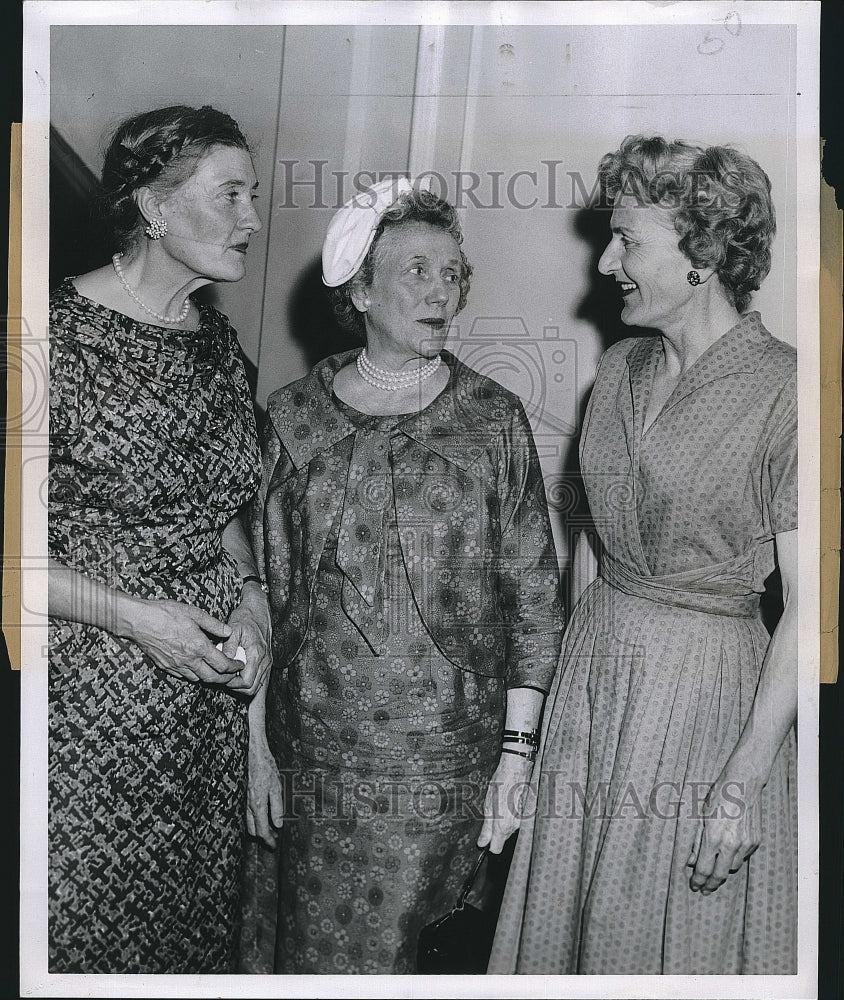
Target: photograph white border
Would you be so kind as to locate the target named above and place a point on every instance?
(38, 17)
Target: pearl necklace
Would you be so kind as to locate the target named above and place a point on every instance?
(382, 378)
(169, 320)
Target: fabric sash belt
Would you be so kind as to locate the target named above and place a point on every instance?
(711, 589)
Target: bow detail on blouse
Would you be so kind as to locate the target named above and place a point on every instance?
(362, 539)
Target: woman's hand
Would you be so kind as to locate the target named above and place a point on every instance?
(504, 803)
(176, 638)
(265, 798)
(729, 832)
(250, 628)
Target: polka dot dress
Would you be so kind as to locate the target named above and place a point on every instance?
(659, 670)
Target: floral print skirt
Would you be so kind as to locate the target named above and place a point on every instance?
(385, 762)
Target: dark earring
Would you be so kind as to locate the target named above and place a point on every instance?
(693, 278)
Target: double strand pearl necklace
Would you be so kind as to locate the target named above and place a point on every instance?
(382, 378)
(169, 320)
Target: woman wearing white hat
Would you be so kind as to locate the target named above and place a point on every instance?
(403, 530)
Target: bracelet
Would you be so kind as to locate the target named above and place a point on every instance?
(520, 739)
(532, 735)
(518, 753)
(513, 736)
(255, 579)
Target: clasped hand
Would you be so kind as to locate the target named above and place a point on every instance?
(181, 640)
(250, 625)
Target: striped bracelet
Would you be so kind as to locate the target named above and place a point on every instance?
(518, 753)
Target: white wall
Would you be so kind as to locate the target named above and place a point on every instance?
(102, 74)
(482, 99)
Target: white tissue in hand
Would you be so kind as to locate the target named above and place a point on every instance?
(239, 655)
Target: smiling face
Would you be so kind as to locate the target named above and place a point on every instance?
(644, 259)
(210, 217)
(414, 293)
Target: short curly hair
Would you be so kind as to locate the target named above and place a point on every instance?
(414, 206)
(721, 200)
(158, 149)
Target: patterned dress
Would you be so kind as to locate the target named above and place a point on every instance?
(659, 670)
(375, 751)
(385, 745)
(153, 450)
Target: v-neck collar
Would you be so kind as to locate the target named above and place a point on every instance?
(739, 350)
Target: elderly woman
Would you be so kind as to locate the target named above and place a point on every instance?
(413, 584)
(159, 628)
(663, 834)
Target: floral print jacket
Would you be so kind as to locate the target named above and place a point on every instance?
(470, 508)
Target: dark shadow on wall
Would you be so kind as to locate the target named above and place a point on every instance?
(79, 241)
(311, 320)
(771, 601)
(600, 307)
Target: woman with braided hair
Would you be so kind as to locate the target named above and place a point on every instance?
(159, 627)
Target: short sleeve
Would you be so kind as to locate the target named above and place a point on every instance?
(780, 471)
(606, 375)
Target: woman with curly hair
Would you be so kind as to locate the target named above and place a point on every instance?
(159, 629)
(662, 829)
(413, 583)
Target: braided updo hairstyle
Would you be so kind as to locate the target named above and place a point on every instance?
(158, 149)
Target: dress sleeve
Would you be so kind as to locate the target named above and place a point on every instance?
(236, 360)
(67, 372)
(779, 485)
(69, 385)
(606, 375)
(528, 574)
